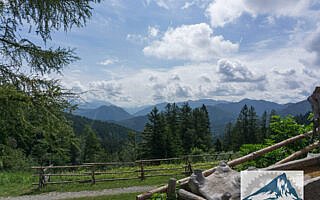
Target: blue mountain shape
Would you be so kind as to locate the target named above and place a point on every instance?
(275, 190)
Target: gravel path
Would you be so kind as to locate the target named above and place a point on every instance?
(68, 195)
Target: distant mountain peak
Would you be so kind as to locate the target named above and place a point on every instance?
(104, 113)
(278, 188)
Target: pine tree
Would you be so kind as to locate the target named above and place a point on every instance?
(227, 139)
(218, 145)
(173, 140)
(187, 131)
(252, 126)
(129, 152)
(153, 136)
(240, 131)
(92, 146)
(263, 134)
(272, 113)
(203, 135)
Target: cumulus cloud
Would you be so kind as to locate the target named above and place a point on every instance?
(222, 12)
(190, 42)
(293, 84)
(152, 33)
(313, 46)
(180, 91)
(205, 79)
(175, 77)
(107, 90)
(234, 71)
(285, 73)
(223, 80)
(227, 90)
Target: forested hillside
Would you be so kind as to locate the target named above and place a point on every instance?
(105, 113)
(176, 131)
(111, 140)
(220, 112)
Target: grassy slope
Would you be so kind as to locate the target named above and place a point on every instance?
(19, 183)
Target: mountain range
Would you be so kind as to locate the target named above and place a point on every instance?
(220, 112)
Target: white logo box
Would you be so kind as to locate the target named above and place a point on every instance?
(266, 185)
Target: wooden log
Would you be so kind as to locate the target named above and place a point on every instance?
(299, 153)
(111, 163)
(184, 194)
(60, 167)
(296, 164)
(158, 175)
(155, 160)
(171, 191)
(148, 194)
(122, 172)
(263, 151)
(159, 169)
(90, 180)
(116, 179)
(63, 174)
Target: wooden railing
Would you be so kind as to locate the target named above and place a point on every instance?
(241, 160)
(140, 169)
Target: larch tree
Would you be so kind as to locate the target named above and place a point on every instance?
(32, 106)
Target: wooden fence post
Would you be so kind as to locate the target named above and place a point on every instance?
(229, 157)
(188, 167)
(217, 154)
(93, 178)
(42, 178)
(171, 191)
(141, 171)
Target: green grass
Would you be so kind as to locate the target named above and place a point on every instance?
(20, 183)
(15, 183)
(110, 197)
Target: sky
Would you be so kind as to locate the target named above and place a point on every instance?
(144, 52)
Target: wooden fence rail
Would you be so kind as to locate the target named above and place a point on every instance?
(93, 172)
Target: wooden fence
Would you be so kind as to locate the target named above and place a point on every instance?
(117, 171)
(243, 159)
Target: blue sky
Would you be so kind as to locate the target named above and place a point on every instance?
(142, 52)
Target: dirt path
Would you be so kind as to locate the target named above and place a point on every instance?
(68, 195)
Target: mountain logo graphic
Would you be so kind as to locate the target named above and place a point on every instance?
(279, 188)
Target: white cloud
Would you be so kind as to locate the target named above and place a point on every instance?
(137, 38)
(163, 3)
(234, 71)
(199, 3)
(313, 46)
(166, 4)
(153, 31)
(268, 76)
(222, 12)
(109, 61)
(190, 42)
